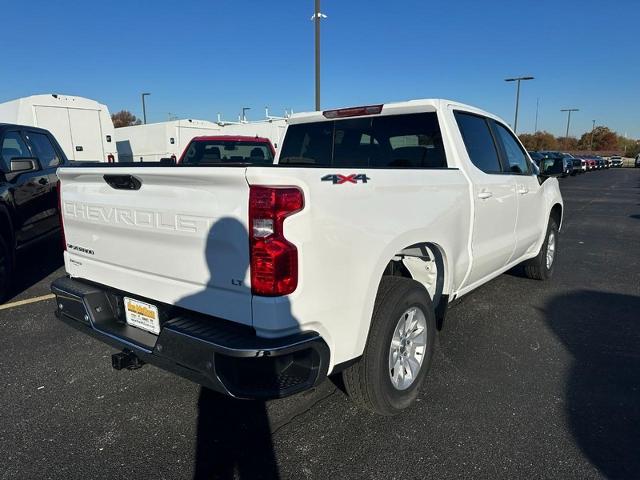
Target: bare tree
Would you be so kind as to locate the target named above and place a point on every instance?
(124, 118)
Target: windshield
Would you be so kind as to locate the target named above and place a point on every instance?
(208, 152)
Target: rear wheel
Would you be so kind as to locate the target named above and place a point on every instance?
(541, 267)
(387, 378)
(6, 263)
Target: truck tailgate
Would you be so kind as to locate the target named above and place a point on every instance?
(180, 238)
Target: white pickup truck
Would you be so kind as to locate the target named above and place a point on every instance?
(259, 281)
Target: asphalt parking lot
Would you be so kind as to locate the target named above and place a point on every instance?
(530, 380)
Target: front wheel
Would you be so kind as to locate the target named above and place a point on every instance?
(387, 378)
(541, 267)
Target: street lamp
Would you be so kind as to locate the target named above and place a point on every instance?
(593, 127)
(317, 16)
(569, 110)
(517, 79)
(244, 113)
(144, 109)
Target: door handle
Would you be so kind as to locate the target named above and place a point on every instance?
(485, 194)
(43, 181)
(522, 190)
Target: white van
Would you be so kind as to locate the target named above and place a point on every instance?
(82, 126)
(153, 141)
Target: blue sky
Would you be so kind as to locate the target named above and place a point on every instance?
(198, 58)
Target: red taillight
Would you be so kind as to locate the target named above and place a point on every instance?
(353, 111)
(111, 158)
(274, 261)
(64, 240)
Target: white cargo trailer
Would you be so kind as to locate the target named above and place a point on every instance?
(272, 128)
(153, 141)
(82, 126)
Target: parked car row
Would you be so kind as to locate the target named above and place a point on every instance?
(573, 165)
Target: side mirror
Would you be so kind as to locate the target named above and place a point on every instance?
(551, 167)
(24, 164)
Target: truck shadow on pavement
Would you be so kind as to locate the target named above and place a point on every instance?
(36, 263)
(602, 332)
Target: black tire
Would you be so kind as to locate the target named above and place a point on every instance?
(6, 269)
(368, 382)
(537, 268)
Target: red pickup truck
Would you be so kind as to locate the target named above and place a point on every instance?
(225, 149)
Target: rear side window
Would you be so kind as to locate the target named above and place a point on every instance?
(515, 156)
(13, 146)
(479, 142)
(44, 150)
(393, 141)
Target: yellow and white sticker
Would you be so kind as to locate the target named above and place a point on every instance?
(142, 315)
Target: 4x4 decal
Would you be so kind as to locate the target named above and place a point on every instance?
(338, 179)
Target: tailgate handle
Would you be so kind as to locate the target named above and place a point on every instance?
(123, 182)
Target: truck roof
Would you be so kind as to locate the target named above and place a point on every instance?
(4, 126)
(408, 106)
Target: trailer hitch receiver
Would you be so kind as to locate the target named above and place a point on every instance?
(126, 359)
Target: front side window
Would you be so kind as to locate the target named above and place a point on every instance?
(515, 157)
(479, 142)
(13, 146)
(44, 150)
(392, 141)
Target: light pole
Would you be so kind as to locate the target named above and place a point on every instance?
(593, 127)
(244, 113)
(517, 79)
(569, 110)
(144, 109)
(535, 129)
(317, 16)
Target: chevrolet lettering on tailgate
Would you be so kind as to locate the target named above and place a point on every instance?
(142, 218)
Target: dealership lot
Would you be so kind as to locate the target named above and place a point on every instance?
(530, 379)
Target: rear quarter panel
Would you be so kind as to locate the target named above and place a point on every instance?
(347, 233)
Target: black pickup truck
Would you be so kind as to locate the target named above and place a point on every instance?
(29, 158)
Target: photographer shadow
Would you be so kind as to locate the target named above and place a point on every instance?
(234, 437)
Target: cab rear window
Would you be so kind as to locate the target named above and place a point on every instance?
(393, 141)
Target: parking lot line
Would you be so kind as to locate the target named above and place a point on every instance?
(27, 301)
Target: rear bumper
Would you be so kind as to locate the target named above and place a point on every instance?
(215, 353)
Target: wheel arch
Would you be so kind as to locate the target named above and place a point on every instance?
(556, 214)
(378, 273)
(395, 266)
